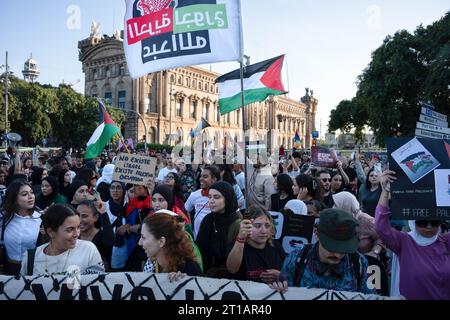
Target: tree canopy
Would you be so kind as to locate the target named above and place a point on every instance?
(405, 70)
(41, 111)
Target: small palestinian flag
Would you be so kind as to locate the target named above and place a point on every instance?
(260, 81)
(102, 135)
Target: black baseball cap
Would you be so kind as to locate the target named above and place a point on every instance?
(337, 231)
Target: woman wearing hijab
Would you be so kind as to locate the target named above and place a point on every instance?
(49, 193)
(104, 182)
(218, 229)
(64, 180)
(36, 179)
(163, 198)
(423, 254)
(115, 207)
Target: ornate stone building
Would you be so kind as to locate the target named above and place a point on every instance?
(167, 105)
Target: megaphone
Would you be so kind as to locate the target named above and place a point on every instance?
(13, 139)
(203, 124)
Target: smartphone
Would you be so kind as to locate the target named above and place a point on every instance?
(247, 216)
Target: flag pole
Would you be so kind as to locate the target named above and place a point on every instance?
(120, 135)
(244, 125)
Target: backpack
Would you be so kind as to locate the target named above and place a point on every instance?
(301, 261)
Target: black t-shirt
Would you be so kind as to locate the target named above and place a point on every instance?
(255, 261)
(328, 200)
(191, 268)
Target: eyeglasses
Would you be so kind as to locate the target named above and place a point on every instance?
(170, 178)
(424, 223)
(325, 180)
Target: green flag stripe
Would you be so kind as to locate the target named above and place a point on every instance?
(252, 95)
(93, 150)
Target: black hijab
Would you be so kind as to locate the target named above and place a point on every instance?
(213, 234)
(45, 201)
(167, 194)
(117, 209)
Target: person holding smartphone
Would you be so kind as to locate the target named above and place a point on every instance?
(254, 255)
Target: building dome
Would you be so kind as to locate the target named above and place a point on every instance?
(30, 70)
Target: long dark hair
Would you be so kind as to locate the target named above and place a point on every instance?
(228, 175)
(11, 194)
(368, 184)
(177, 187)
(314, 186)
(284, 182)
(85, 175)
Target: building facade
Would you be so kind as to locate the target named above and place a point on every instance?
(164, 107)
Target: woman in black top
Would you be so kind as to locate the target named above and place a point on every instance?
(283, 184)
(96, 227)
(218, 229)
(254, 256)
(167, 244)
(64, 180)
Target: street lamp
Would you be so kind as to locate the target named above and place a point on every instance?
(140, 117)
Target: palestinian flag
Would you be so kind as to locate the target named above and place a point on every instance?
(260, 81)
(102, 135)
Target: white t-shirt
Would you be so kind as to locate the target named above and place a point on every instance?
(21, 234)
(164, 172)
(200, 203)
(84, 257)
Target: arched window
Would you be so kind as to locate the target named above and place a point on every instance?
(180, 81)
(179, 103)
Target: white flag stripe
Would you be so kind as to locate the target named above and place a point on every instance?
(97, 133)
(230, 88)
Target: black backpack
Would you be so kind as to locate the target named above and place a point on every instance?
(300, 265)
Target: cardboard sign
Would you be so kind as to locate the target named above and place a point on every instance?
(323, 157)
(421, 191)
(134, 169)
(292, 230)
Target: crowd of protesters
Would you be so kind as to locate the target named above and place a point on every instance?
(194, 220)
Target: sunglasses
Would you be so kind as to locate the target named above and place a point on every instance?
(170, 178)
(424, 223)
(325, 180)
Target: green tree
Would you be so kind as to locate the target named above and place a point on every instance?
(405, 70)
(31, 108)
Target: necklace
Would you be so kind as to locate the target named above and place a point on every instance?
(46, 262)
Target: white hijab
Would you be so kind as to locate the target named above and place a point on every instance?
(395, 267)
(107, 174)
(297, 206)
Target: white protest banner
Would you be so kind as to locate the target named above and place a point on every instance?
(433, 114)
(146, 286)
(134, 169)
(165, 34)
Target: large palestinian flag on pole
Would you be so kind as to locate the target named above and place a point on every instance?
(102, 135)
(260, 81)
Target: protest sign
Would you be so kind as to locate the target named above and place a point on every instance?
(292, 230)
(147, 286)
(165, 34)
(323, 157)
(134, 169)
(421, 191)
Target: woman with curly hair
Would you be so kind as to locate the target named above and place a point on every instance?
(164, 241)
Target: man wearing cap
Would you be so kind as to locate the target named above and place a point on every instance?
(332, 263)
